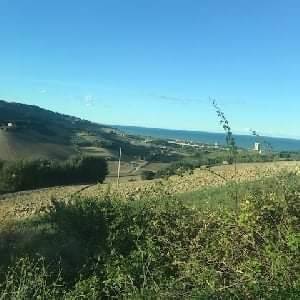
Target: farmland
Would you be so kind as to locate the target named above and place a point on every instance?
(28, 203)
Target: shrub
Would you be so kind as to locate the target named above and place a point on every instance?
(148, 175)
(177, 168)
(84, 220)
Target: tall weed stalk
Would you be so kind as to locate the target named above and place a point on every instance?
(231, 144)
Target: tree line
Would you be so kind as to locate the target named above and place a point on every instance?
(30, 174)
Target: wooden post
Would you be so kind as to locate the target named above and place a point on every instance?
(119, 168)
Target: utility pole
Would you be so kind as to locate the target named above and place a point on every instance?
(119, 167)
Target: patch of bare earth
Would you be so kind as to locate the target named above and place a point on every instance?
(24, 204)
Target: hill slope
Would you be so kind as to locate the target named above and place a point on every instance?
(28, 131)
(29, 144)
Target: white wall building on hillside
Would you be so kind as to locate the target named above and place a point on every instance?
(257, 147)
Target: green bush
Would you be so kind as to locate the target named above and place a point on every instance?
(177, 168)
(148, 175)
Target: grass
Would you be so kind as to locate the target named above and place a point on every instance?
(212, 197)
(221, 197)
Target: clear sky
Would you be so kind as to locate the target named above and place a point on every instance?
(155, 63)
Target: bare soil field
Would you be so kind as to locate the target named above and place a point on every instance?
(22, 204)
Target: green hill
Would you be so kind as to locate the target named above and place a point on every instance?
(28, 131)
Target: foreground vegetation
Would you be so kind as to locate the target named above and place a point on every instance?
(92, 248)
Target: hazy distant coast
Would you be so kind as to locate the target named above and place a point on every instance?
(244, 141)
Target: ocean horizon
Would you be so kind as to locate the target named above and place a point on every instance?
(243, 141)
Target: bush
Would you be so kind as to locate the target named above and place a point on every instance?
(177, 168)
(148, 175)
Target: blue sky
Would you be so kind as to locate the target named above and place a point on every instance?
(155, 63)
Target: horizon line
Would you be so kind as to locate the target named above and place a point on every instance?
(265, 135)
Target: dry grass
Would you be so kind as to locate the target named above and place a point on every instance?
(23, 204)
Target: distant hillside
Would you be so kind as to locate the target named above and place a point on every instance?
(28, 131)
(30, 144)
(244, 141)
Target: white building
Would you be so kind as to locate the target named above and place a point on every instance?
(257, 147)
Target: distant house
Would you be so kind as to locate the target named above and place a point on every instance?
(257, 147)
(9, 125)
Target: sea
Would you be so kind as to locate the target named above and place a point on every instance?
(242, 141)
